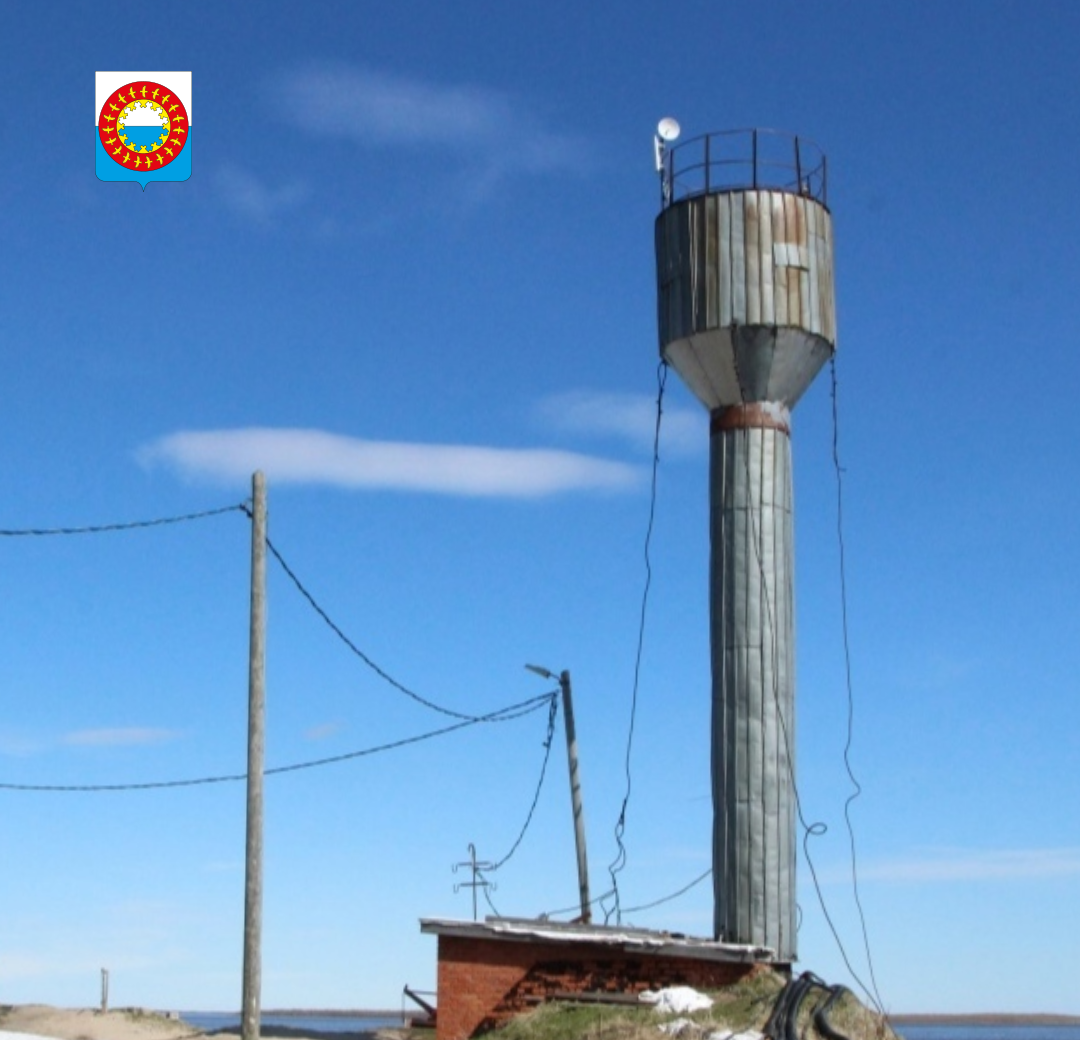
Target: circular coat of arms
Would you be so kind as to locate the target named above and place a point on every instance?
(143, 125)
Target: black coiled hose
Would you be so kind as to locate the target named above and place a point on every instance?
(783, 1019)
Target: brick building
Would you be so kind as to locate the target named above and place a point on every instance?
(489, 971)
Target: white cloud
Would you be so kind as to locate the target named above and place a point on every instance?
(304, 456)
(947, 865)
(630, 417)
(125, 737)
(18, 745)
(246, 195)
(377, 108)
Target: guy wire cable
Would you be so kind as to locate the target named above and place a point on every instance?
(857, 787)
(617, 865)
(817, 828)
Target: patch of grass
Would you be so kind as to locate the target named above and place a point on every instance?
(744, 1006)
(558, 1021)
(747, 1004)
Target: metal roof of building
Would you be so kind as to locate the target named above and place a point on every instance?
(655, 943)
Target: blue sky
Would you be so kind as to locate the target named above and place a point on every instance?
(412, 278)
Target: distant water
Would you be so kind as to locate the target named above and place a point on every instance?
(960, 1031)
(211, 1021)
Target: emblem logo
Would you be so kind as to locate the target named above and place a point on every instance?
(143, 126)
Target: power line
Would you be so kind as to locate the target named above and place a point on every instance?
(674, 895)
(130, 525)
(547, 914)
(513, 711)
(336, 629)
(619, 863)
(552, 712)
(633, 909)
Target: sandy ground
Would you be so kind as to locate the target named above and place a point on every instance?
(67, 1024)
(32, 1021)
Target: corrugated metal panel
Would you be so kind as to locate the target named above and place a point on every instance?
(736, 264)
(780, 238)
(723, 267)
(768, 265)
(752, 252)
(753, 688)
(738, 261)
(791, 274)
(813, 214)
(712, 260)
(806, 319)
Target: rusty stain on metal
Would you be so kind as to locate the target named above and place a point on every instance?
(757, 415)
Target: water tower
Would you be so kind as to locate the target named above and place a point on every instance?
(747, 318)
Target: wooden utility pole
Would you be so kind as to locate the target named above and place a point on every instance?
(575, 787)
(575, 798)
(250, 1023)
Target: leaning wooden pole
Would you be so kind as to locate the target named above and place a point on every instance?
(250, 1023)
(575, 799)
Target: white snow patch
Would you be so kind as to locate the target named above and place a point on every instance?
(676, 1000)
(676, 1027)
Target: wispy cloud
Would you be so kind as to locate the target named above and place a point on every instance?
(304, 456)
(949, 865)
(123, 737)
(19, 745)
(375, 108)
(253, 199)
(323, 731)
(629, 417)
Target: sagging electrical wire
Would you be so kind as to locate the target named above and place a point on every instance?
(668, 898)
(336, 629)
(619, 863)
(553, 711)
(548, 914)
(513, 711)
(131, 525)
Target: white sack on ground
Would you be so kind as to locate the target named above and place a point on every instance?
(676, 1000)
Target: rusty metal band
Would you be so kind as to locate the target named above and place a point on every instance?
(753, 416)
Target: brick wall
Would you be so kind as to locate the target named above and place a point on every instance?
(484, 982)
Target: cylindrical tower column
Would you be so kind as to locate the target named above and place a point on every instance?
(753, 672)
